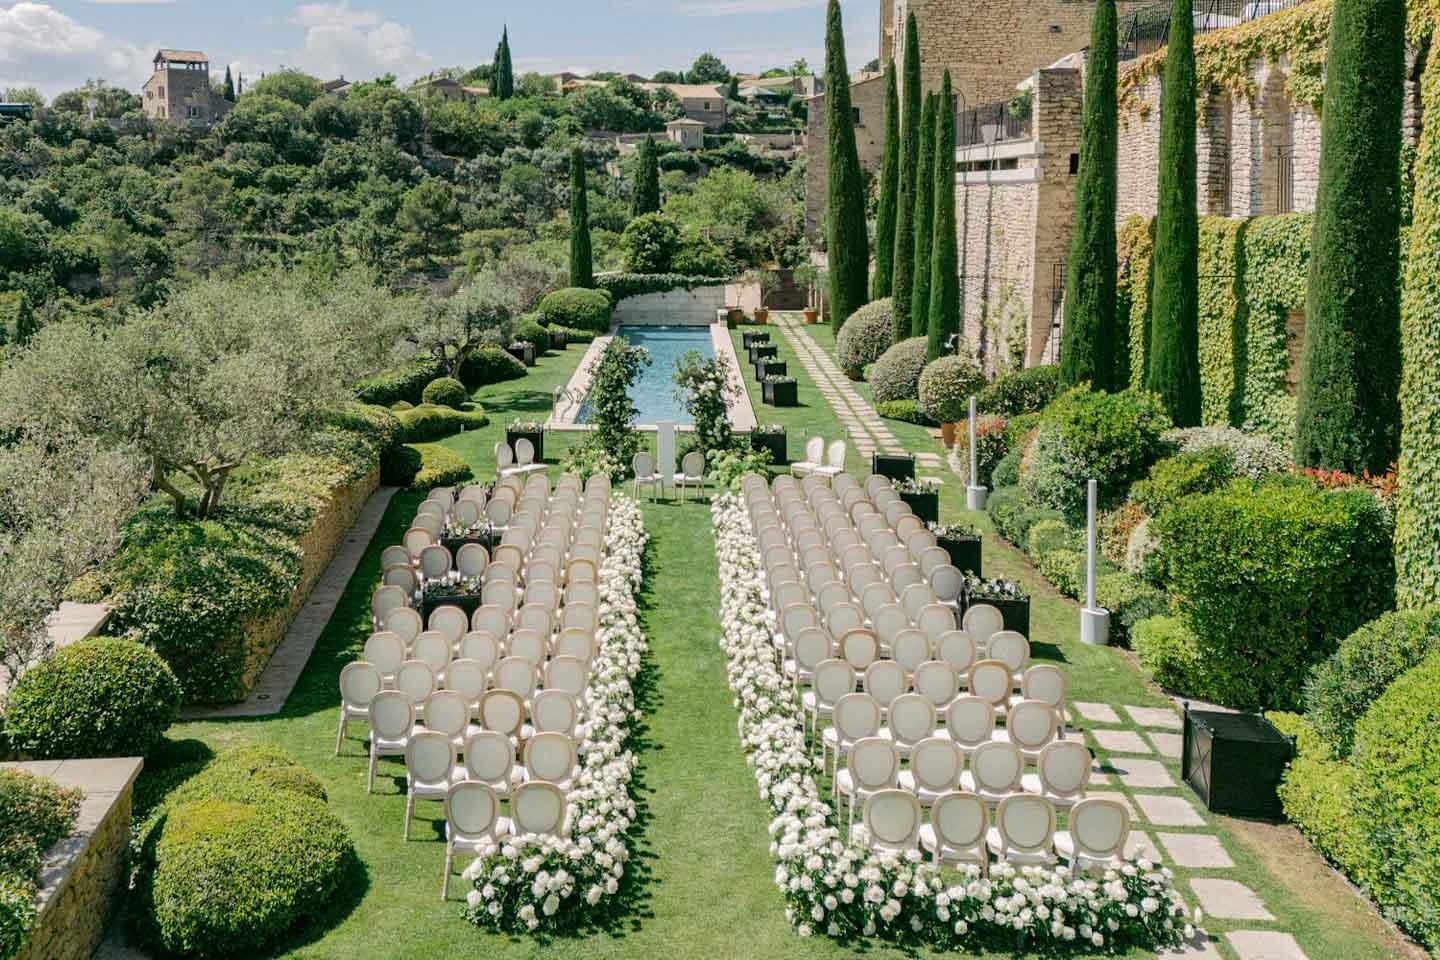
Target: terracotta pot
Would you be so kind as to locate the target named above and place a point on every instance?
(947, 434)
(812, 316)
(762, 315)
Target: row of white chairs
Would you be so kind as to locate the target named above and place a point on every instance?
(821, 460)
(518, 462)
(690, 476)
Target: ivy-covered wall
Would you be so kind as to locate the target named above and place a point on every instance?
(1252, 276)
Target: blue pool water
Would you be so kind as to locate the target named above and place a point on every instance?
(654, 392)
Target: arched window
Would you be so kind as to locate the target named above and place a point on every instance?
(1277, 168)
(1214, 154)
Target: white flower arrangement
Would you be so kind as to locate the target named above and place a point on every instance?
(532, 882)
(843, 890)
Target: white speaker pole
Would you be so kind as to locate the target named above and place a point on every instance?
(1094, 622)
(974, 494)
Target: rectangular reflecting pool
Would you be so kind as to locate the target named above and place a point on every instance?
(654, 391)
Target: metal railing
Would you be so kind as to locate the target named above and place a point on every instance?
(1284, 179)
(997, 122)
(1146, 31)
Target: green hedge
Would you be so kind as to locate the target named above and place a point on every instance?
(1181, 476)
(34, 814)
(1129, 600)
(94, 698)
(1270, 576)
(1014, 513)
(865, 336)
(445, 392)
(946, 385)
(992, 443)
(531, 332)
(905, 410)
(406, 382)
(488, 365)
(440, 467)
(1028, 390)
(1167, 648)
(896, 375)
(430, 422)
(1318, 794)
(622, 285)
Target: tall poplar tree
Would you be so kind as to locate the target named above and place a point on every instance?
(889, 187)
(846, 240)
(1088, 341)
(582, 270)
(924, 222)
(1175, 297)
(944, 313)
(1348, 402)
(647, 180)
(903, 265)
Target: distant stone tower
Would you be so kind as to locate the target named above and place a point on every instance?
(179, 90)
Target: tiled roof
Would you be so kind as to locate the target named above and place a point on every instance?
(182, 56)
(687, 91)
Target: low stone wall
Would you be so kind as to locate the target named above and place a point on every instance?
(319, 544)
(675, 307)
(82, 876)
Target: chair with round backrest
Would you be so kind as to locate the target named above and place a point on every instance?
(433, 648)
(834, 459)
(931, 559)
(872, 764)
(417, 539)
(482, 647)
(1095, 840)
(537, 617)
(581, 570)
(1062, 773)
(862, 576)
(500, 593)
(530, 645)
(808, 538)
(475, 493)
(385, 599)
(538, 808)
(466, 515)
(405, 623)
(542, 594)
(832, 679)
(385, 651)
(911, 719)
(859, 647)
(517, 675)
(582, 592)
(877, 596)
(1048, 683)
(1024, 831)
(982, 621)
(868, 522)
(819, 574)
(894, 557)
(576, 643)
(908, 526)
(403, 577)
(359, 683)
(471, 560)
(810, 646)
(433, 508)
(642, 465)
(579, 616)
(957, 648)
(450, 621)
(392, 720)
(796, 617)
(856, 716)
(843, 537)
(448, 712)
(430, 523)
(935, 767)
(970, 722)
(995, 770)
(831, 595)
(907, 574)
(394, 556)
(956, 833)
(990, 680)
(541, 571)
(415, 679)
(1011, 648)
(885, 680)
(525, 455)
(788, 593)
(469, 678)
(910, 648)
(429, 770)
(1031, 725)
(554, 711)
(936, 681)
(897, 511)
(919, 540)
(502, 711)
(935, 620)
(915, 597)
(854, 556)
(498, 511)
(472, 823)
(567, 674)
(948, 583)
(551, 757)
(509, 555)
(843, 617)
(876, 482)
(891, 821)
(813, 460)
(491, 619)
(435, 562)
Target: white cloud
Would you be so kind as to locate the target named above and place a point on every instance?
(718, 8)
(44, 48)
(340, 39)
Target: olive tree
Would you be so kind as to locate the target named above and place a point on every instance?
(450, 330)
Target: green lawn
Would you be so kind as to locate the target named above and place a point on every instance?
(701, 882)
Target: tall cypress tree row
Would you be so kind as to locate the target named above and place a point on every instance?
(847, 242)
(903, 265)
(944, 313)
(647, 180)
(889, 187)
(924, 222)
(1090, 334)
(1175, 298)
(582, 270)
(1348, 402)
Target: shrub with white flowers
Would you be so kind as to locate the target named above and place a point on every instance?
(843, 890)
(554, 883)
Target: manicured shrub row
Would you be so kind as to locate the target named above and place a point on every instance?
(531, 332)
(489, 365)
(622, 285)
(404, 383)
(864, 338)
(430, 422)
(439, 467)
(577, 307)
(906, 410)
(34, 814)
(896, 375)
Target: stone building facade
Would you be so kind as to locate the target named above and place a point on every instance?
(179, 90)
(867, 102)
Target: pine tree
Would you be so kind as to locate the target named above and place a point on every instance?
(1090, 333)
(582, 271)
(229, 85)
(1175, 298)
(944, 313)
(502, 78)
(647, 180)
(889, 187)
(903, 264)
(924, 221)
(1348, 402)
(847, 242)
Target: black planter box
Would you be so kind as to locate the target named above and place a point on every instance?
(536, 438)
(524, 352)
(774, 442)
(779, 394)
(926, 505)
(559, 339)
(767, 368)
(763, 351)
(894, 466)
(1234, 762)
(749, 338)
(453, 544)
(469, 602)
(965, 553)
(1015, 613)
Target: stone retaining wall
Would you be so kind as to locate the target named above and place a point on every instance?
(694, 307)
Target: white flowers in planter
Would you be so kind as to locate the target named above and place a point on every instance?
(842, 890)
(529, 882)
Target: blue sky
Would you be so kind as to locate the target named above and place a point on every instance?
(58, 44)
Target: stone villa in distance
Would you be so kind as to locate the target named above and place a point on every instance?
(179, 90)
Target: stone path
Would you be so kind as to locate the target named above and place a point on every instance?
(278, 678)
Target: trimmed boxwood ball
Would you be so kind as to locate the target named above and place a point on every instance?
(529, 331)
(865, 336)
(440, 467)
(946, 386)
(488, 365)
(896, 375)
(1028, 390)
(577, 307)
(95, 698)
(445, 392)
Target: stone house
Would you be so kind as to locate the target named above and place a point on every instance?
(867, 102)
(179, 90)
(448, 88)
(688, 133)
(701, 101)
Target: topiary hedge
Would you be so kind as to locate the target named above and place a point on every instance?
(35, 813)
(864, 338)
(1028, 390)
(622, 285)
(896, 375)
(404, 383)
(992, 446)
(946, 385)
(440, 467)
(490, 364)
(528, 331)
(1270, 576)
(429, 422)
(1343, 687)
(1167, 648)
(400, 468)
(1181, 476)
(1253, 456)
(905, 410)
(94, 698)
(445, 392)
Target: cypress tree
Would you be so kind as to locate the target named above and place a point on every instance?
(1348, 402)
(734, 91)
(229, 85)
(1175, 299)
(944, 313)
(1090, 332)
(903, 263)
(847, 242)
(582, 271)
(889, 187)
(924, 222)
(502, 79)
(647, 180)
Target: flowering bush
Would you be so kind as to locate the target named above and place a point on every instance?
(556, 883)
(991, 445)
(843, 890)
(1255, 454)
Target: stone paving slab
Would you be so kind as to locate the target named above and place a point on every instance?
(1228, 899)
(1195, 850)
(1199, 947)
(1162, 717)
(1167, 744)
(1096, 712)
(1139, 844)
(1264, 945)
(1120, 741)
(1119, 798)
(1135, 772)
(1166, 811)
